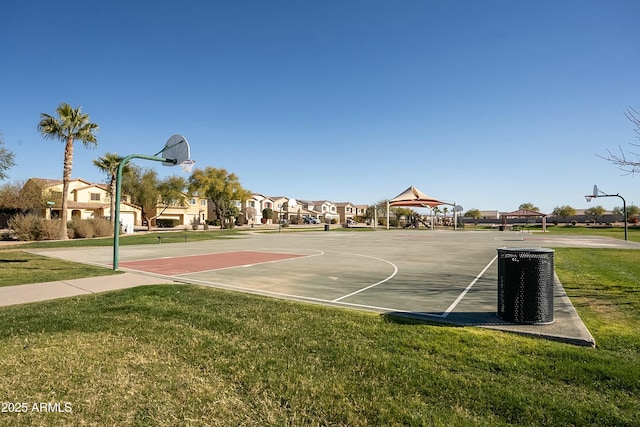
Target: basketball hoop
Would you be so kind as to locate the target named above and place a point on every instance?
(187, 165)
(588, 198)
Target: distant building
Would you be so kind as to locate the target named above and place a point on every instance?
(85, 200)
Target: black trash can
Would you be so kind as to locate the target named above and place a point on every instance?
(326, 227)
(525, 285)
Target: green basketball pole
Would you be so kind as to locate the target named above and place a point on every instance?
(116, 218)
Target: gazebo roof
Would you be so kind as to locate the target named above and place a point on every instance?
(414, 197)
(523, 212)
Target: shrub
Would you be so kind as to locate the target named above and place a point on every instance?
(101, 227)
(26, 227)
(87, 228)
(267, 213)
(33, 227)
(51, 229)
(79, 229)
(167, 222)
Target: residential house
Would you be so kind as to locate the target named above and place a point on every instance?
(195, 211)
(323, 210)
(361, 210)
(85, 200)
(346, 210)
(253, 208)
(295, 211)
(279, 204)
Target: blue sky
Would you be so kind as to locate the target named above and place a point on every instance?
(488, 104)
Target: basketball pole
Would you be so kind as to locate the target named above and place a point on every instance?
(599, 193)
(116, 216)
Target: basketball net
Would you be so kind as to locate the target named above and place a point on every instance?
(187, 165)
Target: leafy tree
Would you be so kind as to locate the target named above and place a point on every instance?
(595, 212)
(267, 213)
(21, 197)
(6, 160)
(622, 160)
(474, 214)
(380, 209)
(141, 185)
(109, 165)
(564, 212)
(251, 213)
(152, 194)
(70, 125)
(369, 213)
(400, 212)
(529, 206)
(172, 192)
(633, 212)
(221, 188)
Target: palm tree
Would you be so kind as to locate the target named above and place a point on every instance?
(109, 165)
(70, 125)
(436, 211)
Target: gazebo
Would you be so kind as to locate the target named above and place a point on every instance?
(523, 213)
(412, 197)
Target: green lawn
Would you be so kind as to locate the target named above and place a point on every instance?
(20, 267)
(153, 238)
(633, 232)
(190, 355)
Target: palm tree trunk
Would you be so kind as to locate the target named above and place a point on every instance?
(66, 178)
(112, 196)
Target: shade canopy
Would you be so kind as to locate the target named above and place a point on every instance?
(415, 198)
(523, 212)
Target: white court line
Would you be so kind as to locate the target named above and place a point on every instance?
(220, 253)
(395, 271)
(468, 288)
(293, 297)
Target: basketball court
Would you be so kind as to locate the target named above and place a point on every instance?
(441, 276)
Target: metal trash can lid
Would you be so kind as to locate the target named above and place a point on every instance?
(538, 250)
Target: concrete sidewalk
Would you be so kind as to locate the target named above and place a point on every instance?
(21, 294)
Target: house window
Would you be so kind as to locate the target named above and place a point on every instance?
(194, 202)
(252, 204)
(95, 197)
(203, 202)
